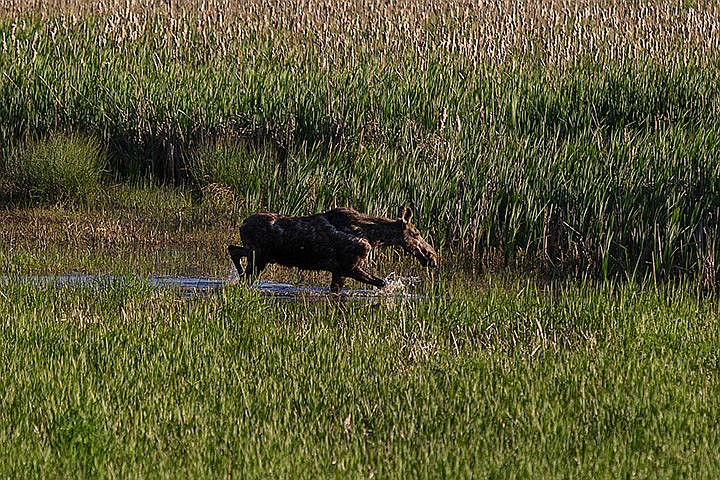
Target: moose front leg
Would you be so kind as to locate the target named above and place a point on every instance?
(362, 276)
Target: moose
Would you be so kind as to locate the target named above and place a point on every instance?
(338, 241)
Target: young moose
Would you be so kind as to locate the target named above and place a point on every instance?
(338, 241)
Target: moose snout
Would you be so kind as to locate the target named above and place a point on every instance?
(428, 258)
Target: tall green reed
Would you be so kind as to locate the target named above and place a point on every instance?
(572, 148)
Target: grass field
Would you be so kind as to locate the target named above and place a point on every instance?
(505, 379)
(561, 156)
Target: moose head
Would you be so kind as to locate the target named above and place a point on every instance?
(412, 242)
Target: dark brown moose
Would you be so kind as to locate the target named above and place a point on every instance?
(338, 241)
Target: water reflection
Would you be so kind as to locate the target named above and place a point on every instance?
(199, 287)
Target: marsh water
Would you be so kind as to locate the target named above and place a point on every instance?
(199, 287)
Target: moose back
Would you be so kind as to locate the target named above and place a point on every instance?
(338, 241)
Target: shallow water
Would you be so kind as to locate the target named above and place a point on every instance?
(199, 287)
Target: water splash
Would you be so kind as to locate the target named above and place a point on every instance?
(397, 284)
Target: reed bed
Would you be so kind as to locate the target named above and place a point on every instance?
(564, 136)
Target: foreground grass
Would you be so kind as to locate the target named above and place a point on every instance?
(503, 379)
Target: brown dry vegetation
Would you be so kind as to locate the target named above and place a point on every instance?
(559, 31)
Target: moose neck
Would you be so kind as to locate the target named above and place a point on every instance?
(381, 231)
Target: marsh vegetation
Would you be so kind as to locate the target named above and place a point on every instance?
(567, 137)
(560, 156)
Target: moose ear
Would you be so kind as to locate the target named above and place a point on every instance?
(405, 214)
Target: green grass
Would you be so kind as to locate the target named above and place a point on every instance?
(574, 143)
(506, 379)
(68, 168)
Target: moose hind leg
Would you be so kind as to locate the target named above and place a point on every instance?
(256, 263)
(362, 276)
(236, 253)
